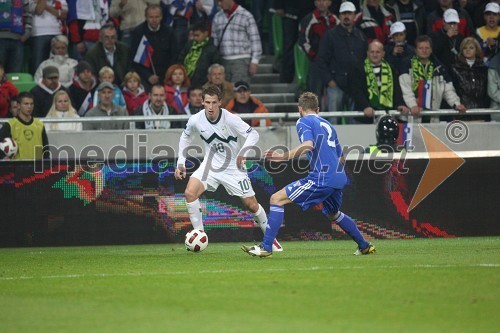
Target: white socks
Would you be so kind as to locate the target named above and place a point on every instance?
(195, 215)
(194, 210)
(261, 218)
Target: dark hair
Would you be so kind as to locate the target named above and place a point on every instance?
(212, 90)
(423, 38)
(157, 85)
(199, 26)
(24, 94)
(193, 88)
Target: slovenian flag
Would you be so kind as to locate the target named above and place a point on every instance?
(86, 105)
(178, 100)
(405, 135)
(144, 53)
(188, 10)
(424, 94)
(181, 7)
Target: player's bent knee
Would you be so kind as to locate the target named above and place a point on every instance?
(275, 199)
(337, 217)
(251, 204)
(190, 195)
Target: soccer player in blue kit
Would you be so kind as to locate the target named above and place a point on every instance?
(323, 184)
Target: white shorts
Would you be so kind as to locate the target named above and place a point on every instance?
(235, 182)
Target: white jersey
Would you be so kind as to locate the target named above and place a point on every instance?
(223, 138)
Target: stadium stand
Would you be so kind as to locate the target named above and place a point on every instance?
(22, 81)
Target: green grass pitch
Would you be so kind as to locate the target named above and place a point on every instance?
(421, 285)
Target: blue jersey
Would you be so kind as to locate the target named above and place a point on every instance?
(325, 168)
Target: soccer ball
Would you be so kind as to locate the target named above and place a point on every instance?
(9, 147)
(196, 240)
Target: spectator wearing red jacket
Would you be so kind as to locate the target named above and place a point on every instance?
(8, 92)
(435, 20)
(311, 29)
(376, 21)
(133, 92)
(244, 102)
(176, 84)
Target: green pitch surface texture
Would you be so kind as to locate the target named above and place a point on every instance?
(422, 285)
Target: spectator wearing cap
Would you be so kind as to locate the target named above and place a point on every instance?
(411, 13)
(476, 11)
(342, 51)
(106, 74)
(446, 41)
(375, 21)
(59, 58)
(44, 91)
(106, 108)
(244, 102)
(489, 33)
(436, 19)
(398, 49)
(83, 87)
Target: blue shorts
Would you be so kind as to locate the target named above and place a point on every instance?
(306, 193)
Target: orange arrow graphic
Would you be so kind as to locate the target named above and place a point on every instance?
(443, 162)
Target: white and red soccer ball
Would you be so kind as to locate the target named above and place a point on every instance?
(9, 147)
(196, 240)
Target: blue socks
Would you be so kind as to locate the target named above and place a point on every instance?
(274, 221)
(350, 228)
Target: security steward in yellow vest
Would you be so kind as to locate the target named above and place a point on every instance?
(28, 132)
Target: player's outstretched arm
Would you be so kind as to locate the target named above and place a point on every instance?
(296, 152)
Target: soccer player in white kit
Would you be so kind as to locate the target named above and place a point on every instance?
(224, 160)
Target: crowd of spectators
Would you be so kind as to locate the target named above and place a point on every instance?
(146, 57)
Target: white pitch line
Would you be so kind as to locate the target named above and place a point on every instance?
(220, 271)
